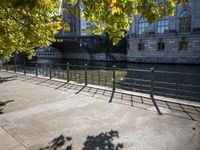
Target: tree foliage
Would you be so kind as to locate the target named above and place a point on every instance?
(115, 16)
(27, 24)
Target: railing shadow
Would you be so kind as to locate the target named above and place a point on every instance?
(111, 97)
(156, 106)
(7, 77)
(184, 111)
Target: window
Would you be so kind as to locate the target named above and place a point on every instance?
(161, 45)
(185, 21)
(162, 25)
(143, 26)
(88, 23)
(183, 45)
(140, 46)
(162, 1)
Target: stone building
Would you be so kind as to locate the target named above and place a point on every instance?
(173, 39)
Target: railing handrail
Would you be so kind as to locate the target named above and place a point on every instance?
(148, 83)
(116, 68)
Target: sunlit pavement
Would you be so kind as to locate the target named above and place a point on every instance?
(38, 113)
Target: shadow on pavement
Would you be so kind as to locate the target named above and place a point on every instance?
(102, 141)
(58, 143)
(184, 111)
(7, 78)
(3, 104)
(156, 106)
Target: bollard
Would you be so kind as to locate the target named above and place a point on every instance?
(152, 83)
(67, 72)
(24, 67)
(36, 69)
(113, 79)
(50, 71)
(86, 74)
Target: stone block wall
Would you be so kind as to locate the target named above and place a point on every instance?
(96, 56)
(171, 52)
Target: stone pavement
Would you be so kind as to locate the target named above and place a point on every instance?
(38, 113)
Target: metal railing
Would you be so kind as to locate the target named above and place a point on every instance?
(169, 84)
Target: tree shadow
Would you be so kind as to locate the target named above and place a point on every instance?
(103, 141)
(61, 142)
(3, 104)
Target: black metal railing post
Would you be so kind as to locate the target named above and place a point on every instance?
(67, 72)
(24, 67)
(177, 78)
(36, 69)
(6, 66)
(63, 74)
(58, 72)
(152, 83)
(47, 69)
(54, 72)
(15, 66)
(86, 82)
(113, 79)
(99, 78)
(50, 71)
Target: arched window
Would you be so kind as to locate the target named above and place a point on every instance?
(185, 21)
(143, 26)
(162, 25)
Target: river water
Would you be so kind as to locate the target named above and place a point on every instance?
(142, 66)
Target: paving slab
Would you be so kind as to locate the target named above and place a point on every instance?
(38, 114)
(9, 142)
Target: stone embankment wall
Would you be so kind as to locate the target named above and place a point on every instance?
(96, 56)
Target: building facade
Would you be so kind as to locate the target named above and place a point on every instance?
(172, 39)
(72, 20)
